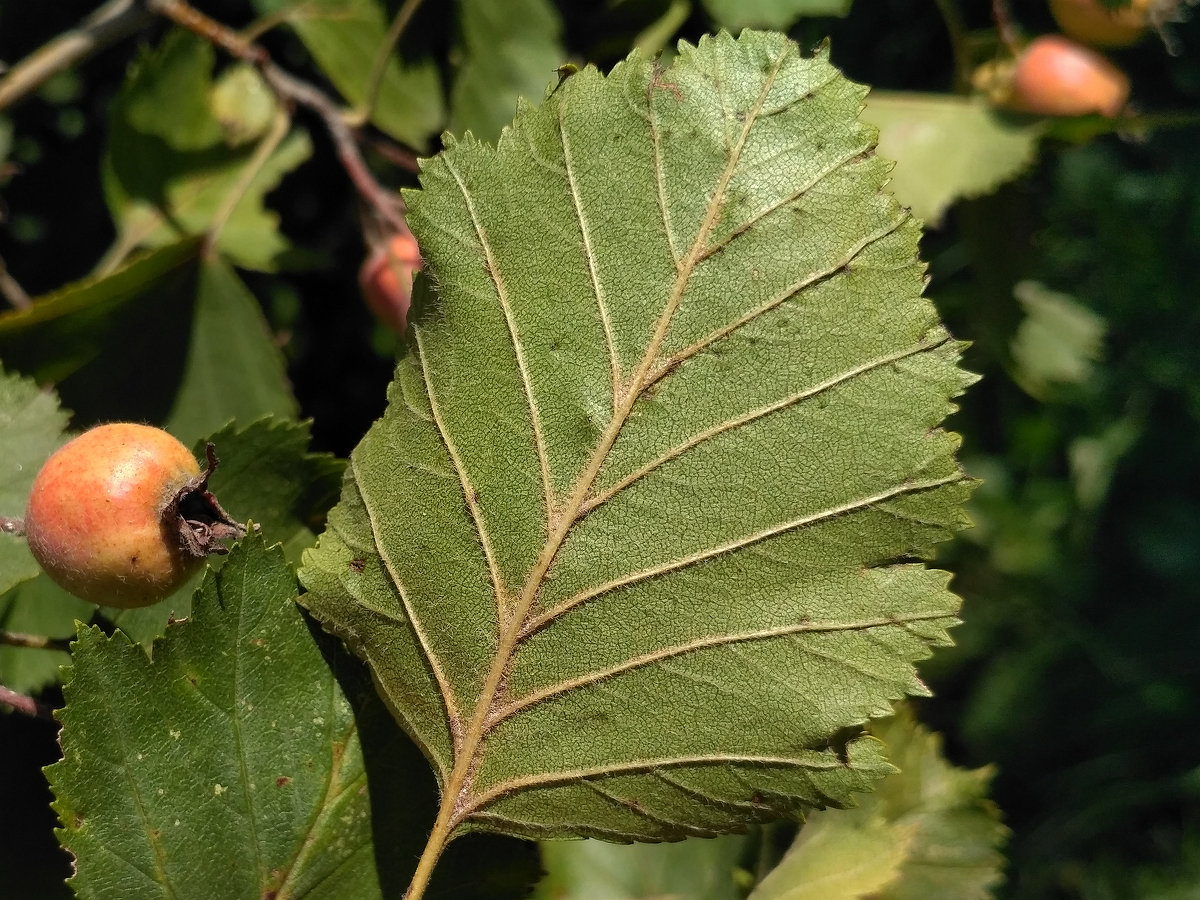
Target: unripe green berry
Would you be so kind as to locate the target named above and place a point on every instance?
(122, 516)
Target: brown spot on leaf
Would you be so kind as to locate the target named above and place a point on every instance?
(282, 781)
(357, 565)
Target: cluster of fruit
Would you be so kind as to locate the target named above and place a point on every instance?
(1063, 74)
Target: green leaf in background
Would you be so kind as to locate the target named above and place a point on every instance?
(947, 148)
(695, 869)
(31, 428)
(508, 51)
(169, 170)
(778, 14)
(192, 324)
(345, 38)
(1057, 344)
(632, 551)
(268, 476)
(242, 103)
(239, 763)
(928, 832)
(229, 766)
(38, 607)
(234, 369)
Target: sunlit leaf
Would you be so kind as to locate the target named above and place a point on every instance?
(633, 549)
(169, 170)
(947, 147)
(696, 869)
(1057, 343)
(927, 833)
(508, 50)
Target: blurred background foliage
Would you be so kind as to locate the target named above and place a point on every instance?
(1068, 255)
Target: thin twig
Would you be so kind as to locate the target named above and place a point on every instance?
(1009, 35)
(395, 154)
(23, 703)
(297, 93)
(34, 641)
(956, 29)
(107, 25)
(379, 68)
(12, 290)
(12, 525)
(280, 123)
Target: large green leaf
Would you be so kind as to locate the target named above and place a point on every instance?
(345, 37)
(738, 14)
(633, 549)
(947, 148)
(508, 50)
(169, 169)
(927, 833)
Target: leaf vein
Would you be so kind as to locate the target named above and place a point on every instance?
(493, 269)
(705, 643)
(470, 496)
(760, 413)
(735, 545)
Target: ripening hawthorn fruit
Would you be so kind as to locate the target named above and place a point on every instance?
(386, 279)
(122, 515)
(1055, 76)
(1091, 22)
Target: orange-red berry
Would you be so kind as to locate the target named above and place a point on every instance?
(121, 515)
(386, 279)
(1055, 76)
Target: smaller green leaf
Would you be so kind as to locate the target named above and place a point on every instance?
(698, 869)
(345, 37)
(1058, 343)
(39, 607)
(31, 428)
(234, 369)
(169, 170)
(267, 475)
(947, 148)
(927, 833)
(775, 14)
(242, 102)
(850, 859)
(229, 766)
(509, 51)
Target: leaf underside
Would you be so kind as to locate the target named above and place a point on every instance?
(634, 549)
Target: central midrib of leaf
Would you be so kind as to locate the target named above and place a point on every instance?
(458, 802)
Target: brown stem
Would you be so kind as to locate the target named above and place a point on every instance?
(295, 92)
(956, 29)
(23, 703)
(107, 25)
(12, 525)
(12, 290)
(34, 641)
(1009, 34)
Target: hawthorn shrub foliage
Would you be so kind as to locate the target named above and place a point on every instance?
(637, 551)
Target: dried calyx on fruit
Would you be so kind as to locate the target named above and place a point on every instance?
(122, 515)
